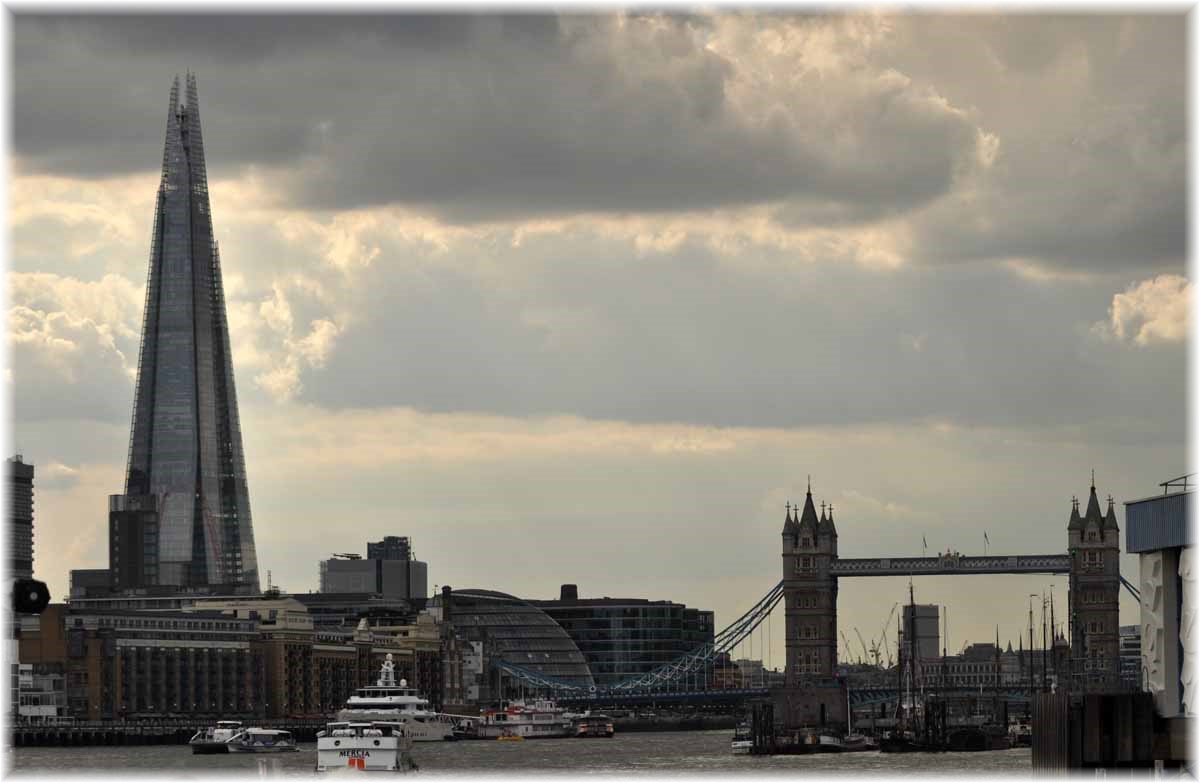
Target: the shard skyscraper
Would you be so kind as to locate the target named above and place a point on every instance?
(184, 520)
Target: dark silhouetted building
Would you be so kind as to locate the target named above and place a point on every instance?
(132, 541)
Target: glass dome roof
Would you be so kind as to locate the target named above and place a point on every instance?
(519, 633)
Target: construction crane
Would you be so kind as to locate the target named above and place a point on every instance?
(886, 623)
(846, 642)
(877, 652)
(864, 644)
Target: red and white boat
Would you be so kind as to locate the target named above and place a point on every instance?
(543, 719)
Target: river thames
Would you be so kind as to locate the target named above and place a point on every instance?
(658, 753)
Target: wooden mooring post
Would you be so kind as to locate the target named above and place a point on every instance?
(762, 728)
(1102, 731)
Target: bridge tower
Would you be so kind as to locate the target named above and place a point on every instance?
(810, 594)
(1094, 546)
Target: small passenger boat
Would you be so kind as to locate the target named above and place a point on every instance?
(214, 739)
(858, 743)
(743, 740)
(594, 726)
(256, 740)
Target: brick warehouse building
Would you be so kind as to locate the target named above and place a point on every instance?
(208, 663)
(129, 665)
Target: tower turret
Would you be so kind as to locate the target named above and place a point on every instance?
(810, 595)
(1095, 551)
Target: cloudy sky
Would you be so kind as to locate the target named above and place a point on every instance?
(587, 298)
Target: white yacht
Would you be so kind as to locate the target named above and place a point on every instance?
(215, 739)
(387, 701)
(371, 746)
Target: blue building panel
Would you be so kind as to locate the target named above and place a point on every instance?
(1159, 522)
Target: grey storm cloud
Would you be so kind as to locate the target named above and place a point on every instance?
(1060, 140)
(688, 337)
(1090, 114)
(479, 117)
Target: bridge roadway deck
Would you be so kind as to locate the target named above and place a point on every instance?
(859, 697)
(950, 564)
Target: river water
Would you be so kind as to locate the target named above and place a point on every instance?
(655, 753)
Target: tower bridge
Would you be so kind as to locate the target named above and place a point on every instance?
(812, 693)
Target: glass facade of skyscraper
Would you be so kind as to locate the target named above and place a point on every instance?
(186, 444)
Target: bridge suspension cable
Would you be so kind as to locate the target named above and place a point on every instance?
(1132, 590)
(669, 674)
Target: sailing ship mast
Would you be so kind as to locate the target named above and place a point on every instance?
(912, 642)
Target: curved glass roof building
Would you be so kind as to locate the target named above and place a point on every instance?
(519, 633)
(186, 474)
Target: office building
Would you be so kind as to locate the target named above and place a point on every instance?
(20, 518)
(185, 486)
(626, 637)
(1131, 655)
(89, 582)
(922, 620)
(389, 570)
(390, 548)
